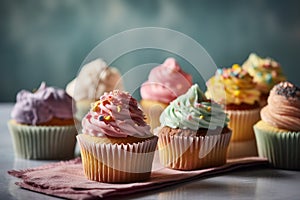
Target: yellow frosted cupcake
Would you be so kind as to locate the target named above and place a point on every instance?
(193, 133)
(42, 125)
(116, 144)
(266, 73)
(165, 82)
(95, 78)
(278, 133)
(235, 90)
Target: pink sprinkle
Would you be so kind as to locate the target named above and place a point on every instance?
(189, 117)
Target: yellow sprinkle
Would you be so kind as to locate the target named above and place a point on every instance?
(95, 106)
(119, 108)
(208, 108)
(108, 117)
(201, 116)
(237, 92)
(235, 66)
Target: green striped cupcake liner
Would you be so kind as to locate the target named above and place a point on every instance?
(43, 142)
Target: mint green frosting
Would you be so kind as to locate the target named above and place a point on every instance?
(193, 111)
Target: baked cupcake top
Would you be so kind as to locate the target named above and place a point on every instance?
(166, 82)
(193, 111)
(232, 86)
(283, 109)
(266, 72)
(42, 106)
(93, 80)
(116, 114)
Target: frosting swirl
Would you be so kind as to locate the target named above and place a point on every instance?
(266, 72)
(283, 109)
(166, 82)
(193, 111)
(93, 80)
(41, 106)
(116, 114)
(232, 86)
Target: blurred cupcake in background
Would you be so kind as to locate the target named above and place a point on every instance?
(93, 80)
(42, 124)
(235, 90)
(193, 132)
(165, 83)
(278, 131)
(266, 73)
(117, 144)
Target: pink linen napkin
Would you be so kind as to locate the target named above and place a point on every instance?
(67, 180)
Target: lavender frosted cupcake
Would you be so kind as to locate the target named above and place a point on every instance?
(278, 133)
(42, 125)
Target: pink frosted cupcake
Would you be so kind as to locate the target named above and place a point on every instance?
(116, 144)
(278, 133)
(165, 83)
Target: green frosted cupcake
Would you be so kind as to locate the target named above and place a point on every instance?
(278, 133)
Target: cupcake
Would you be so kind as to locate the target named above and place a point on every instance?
(42, 125)
(93, 80)
(266, 73)
(278, 132)
(193, 133)
(116, 145)
(235, 90)
(165, 83)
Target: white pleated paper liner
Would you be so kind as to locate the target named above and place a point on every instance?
(282, 149)
(193, 152)
(43, 142)
(242, 149)
(241, 123)
(117, 163)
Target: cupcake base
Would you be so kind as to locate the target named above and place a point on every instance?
(242, 149)
(117, 162)
(152, 110)
(184, 152)
(280, 146)
(43, 142)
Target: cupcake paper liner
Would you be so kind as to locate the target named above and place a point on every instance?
(280, 148)
(241, 123)
(43, 142)
(191, 152)
(117, 162)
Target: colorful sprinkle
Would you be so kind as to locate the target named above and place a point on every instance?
(107, 118)
(237, 92)
(201, 116)
(101, 118)
(269, 78)
(95, 106)
(189, 117)
(236, 67)
(219, 71)
(208, 108)
(119, 108)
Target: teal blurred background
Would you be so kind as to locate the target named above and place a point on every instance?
(48, 40)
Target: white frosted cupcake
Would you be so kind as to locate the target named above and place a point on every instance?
(93, 80)
(116, 144)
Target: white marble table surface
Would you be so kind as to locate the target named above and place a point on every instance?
(253, 183)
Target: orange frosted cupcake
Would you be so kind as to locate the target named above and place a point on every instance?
(278, 133)
(266, 73)
(116, 144)
(42, 125)
(193, 133)
(235, 90)
(165, 82)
